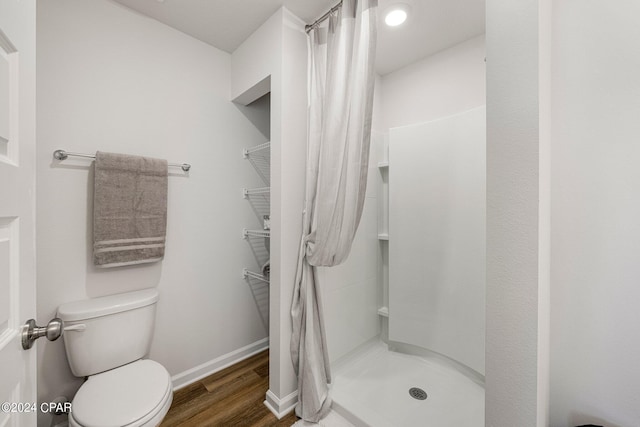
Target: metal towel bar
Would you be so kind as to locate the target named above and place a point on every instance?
(62, 155)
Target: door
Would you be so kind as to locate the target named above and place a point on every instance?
(17, 209)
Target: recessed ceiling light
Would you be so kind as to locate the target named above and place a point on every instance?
(396, 14)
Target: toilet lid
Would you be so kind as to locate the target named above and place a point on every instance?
(121, 396)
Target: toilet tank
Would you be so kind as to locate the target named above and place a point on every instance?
(107, 332)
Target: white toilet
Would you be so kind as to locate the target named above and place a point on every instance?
(106, 339)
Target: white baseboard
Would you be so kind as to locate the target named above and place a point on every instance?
(281, 407)
(192, 375)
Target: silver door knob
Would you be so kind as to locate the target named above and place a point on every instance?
(31, 331)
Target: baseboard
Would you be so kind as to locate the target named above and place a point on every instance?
(192, 375)
(281, 407)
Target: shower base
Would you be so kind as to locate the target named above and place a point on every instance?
(371, 388)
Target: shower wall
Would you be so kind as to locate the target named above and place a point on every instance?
(437, 236)
(350, 290)
(442, 85)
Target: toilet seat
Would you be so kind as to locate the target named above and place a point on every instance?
(133, 395)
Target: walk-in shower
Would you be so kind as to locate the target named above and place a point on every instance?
(429, 369)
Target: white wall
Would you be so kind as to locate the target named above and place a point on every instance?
(293, 150)
(110, 79)
(595, 320)
(276, 54)
(516, 202)
(440, 85)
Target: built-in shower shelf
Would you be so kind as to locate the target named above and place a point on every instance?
(246, 153)
(248, 192)
(255, 233)
(383, 311)
(246, 273)
(383, 236)
(383, 165)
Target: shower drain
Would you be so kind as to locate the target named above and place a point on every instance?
(418, 393)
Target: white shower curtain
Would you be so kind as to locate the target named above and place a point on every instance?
(341, 82)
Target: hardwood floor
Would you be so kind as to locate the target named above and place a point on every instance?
(231, 397)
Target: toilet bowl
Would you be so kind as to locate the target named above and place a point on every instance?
(137, 394)
(106, 339)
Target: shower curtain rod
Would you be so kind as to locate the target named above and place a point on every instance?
(62, 155)
(310, 27)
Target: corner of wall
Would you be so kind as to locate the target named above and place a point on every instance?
(514, 194)
(278, 50)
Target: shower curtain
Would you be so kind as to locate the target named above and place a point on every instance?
(341, 83)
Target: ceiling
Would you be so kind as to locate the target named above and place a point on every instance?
(433, 25)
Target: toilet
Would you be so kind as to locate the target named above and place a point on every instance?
(106, 339)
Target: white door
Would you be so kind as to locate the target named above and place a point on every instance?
(17, 208)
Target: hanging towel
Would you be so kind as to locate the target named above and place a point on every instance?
(129, 210)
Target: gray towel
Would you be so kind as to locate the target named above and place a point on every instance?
(129, 210)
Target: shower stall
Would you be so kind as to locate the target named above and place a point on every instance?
(427, 365)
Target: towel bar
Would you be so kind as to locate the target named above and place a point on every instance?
(62, 155)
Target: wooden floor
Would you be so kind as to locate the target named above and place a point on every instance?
(231, 397)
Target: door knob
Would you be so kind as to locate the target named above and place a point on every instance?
(31, 331)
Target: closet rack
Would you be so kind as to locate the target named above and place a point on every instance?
(248, 192)
(248, 273)
(248, 151)
(62, 155)
(259, 157)
(255, 233)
